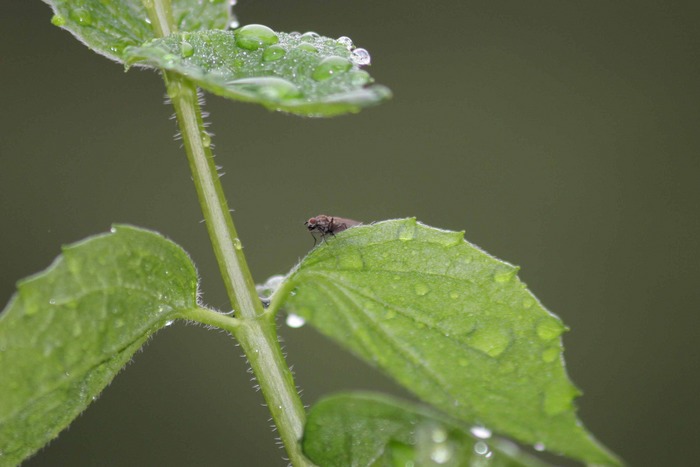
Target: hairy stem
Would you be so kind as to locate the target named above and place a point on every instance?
(253, 328)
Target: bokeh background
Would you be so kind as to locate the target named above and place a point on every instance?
(562, 136)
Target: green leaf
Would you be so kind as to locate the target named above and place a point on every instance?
(448, 321)
(363, 429)
(109, 26)
(304, 74)
(69, 329)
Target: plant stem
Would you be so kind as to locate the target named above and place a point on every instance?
(255, 329)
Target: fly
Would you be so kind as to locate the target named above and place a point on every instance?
(328, 225)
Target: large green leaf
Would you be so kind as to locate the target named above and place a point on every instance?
(305, 74)
(363, 429)
(448, 321)
(69, 329)
(109, 26)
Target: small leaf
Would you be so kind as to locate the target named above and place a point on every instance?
(449, 322)
(109, 26)
(69, 329)
(302, 74)
(363, 429)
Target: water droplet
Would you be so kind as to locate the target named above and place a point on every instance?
(294, 35)
(58, 20)
(169, 61)
(270, 286)
(504, 273)
(255, 36)
(173, 90)
(81, 16)
(441, 453)
(267, 87)
(359, 77)
(206, 139)
(168, 323)
(361, 57)
(481, 448)
(237, 244)
(186, 49)
(352, 259)
(481, 432)
(549, 328)
(492, 341)
(295, 321)
(52, 301)
(421, 289)
(539, 447)
(407, 231)
(309, 36)
(438, 435)
(330, 67)
(307, 48)
(346, 41)
(550, 355)
(274, 52)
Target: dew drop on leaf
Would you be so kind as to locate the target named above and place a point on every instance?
(237, 244)
(481, 448)
(307, 48)
(294, 321)
(550, 355)
(361, 57)
(81, 16)
(255, 36)
(309, 36)
(491, 341)
(504, 274)
(58, 20)
(330, 67)
(206, 139)
(186, 49)
(549, 329)
(346, 41)
(351, 260)
(274, 52)
(481, 432)
(421, 289)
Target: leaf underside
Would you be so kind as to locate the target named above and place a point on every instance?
(449, 322)
(70, 329)
(365, 429)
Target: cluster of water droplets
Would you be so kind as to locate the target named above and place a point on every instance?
(433, 445)
(340, 58)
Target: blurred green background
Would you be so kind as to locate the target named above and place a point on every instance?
(562, 136)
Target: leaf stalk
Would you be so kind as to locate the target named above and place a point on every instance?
(256, 330)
